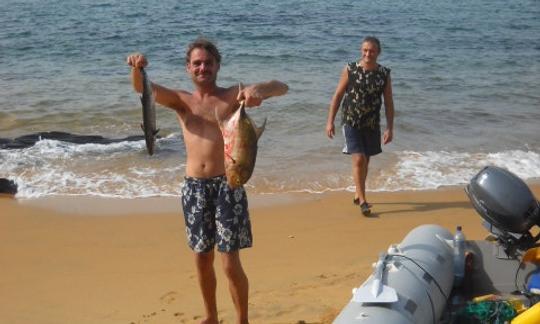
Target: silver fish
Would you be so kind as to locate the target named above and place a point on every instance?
(149, 113)
(240, 137)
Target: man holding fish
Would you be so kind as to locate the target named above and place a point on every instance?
(215, 212)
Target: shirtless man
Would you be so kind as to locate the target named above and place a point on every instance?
(214, 213)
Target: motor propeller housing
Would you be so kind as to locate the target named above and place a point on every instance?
(505, 202)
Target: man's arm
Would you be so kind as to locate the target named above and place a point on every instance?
(336, 100)
(389, 112)
(164, 96)
(254, 94)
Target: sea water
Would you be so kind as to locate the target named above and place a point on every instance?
(465, 75)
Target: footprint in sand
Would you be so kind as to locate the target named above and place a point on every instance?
(169, 297)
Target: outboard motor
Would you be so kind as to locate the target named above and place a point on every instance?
(508, 207)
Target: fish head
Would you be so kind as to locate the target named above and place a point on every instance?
(237, 176)
(234, 181)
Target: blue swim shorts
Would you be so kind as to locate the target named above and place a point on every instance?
(215, 214)
(363, 141)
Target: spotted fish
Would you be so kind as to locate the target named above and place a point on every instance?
(240, 137)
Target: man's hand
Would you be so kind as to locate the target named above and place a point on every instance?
(250, 95)
(330, 130)
(137, 60)
(387, 137)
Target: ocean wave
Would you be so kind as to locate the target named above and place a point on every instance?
(124, 170)
(432, 169)
(118, 169)
(408, 170)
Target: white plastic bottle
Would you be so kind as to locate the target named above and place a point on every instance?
(459, 257)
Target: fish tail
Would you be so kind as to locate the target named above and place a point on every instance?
(260, 130)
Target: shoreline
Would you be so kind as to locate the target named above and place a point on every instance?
(62, 264)
(106, 206)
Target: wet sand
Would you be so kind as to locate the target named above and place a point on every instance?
(94, 260)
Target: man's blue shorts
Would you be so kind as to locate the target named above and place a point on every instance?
(363, 141)
(215, 214)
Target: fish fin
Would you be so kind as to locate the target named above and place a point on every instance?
(260, 130)
(156, 131)
(142, 127)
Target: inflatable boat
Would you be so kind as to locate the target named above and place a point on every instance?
(435, 276)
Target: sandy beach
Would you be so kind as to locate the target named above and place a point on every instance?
(95, 260)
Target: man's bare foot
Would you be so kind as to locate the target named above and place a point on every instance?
(210, 321)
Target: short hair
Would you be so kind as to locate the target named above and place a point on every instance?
(205, 44)
(373, 40)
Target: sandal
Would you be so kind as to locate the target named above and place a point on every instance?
(356, 201)
(365, 209)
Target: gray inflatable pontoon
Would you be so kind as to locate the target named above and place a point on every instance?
(432, 272)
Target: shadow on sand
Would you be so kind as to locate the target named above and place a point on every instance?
(414, 207)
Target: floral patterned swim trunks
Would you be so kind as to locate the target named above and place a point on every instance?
(215, 214)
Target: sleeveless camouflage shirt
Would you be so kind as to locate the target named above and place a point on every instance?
(363, 97)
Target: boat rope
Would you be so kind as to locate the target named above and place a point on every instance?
(493, 312)
(516, 278)
(422, 268)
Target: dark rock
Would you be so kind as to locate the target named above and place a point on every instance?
(8, 186)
